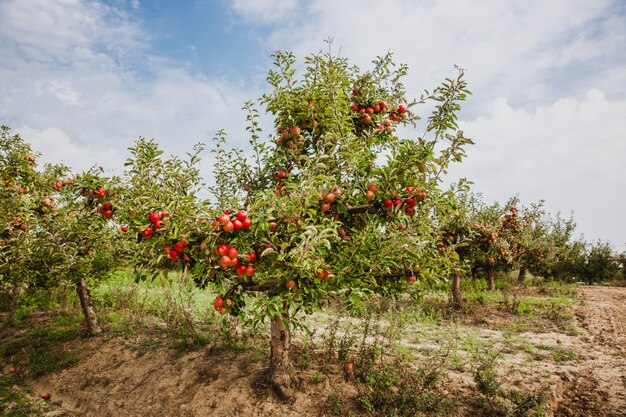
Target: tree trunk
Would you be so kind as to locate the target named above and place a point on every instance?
(86, 303)
(491, 279)
(279, 377)
(522, 274)
(457, 301)
(15, 296)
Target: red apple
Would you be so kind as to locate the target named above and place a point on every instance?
(369, 196)
(242, 215)
(222, 249)
(291, 284)
(325, 207)
(252, 256)
(388, 204)
(250, 271)
(13, 369)
(329, 198)
(107, 214)
(232, 253)
(410, 279)
(224, 262)
(45, 396)
(246, 223)
(372, 187)
(241, 270)
(237, 224)
(155, 217)
(229, 227)
(402, 108)
(174, 254)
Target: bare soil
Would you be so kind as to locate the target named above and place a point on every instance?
(597, 386)
(581, 374)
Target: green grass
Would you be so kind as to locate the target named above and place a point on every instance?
(13, 402)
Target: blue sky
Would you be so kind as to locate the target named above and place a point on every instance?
(82, 79)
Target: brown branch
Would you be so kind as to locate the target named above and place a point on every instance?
(259, 287)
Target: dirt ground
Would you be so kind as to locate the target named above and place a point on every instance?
(597, 385)
(142, 377)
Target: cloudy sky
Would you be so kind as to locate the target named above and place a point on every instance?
(82, 79)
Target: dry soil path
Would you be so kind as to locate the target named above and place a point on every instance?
(598, 385)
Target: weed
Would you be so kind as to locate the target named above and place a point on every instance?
(317, 377)
(563, 355)
(13, 402)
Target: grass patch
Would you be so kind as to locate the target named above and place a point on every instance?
(14, 402)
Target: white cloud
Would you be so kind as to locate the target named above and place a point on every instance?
(68, 82)
(520, 49)
(56, 146)
(522, 57)
(570, 153)
(265, 11)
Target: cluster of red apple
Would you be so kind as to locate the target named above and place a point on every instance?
(511, 221)
(368, 110)
(106, 210)
(63, 183)
(416, 195)
(222, 304)
(322, 274)
(228, 224)
(175, 252)
(230, 258)
(328, 199)
(47, 204)
(280, 176)
(157, 219)
(16, 222)
(290, 137)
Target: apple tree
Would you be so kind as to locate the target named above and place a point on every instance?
(340, 197)
(57, 230)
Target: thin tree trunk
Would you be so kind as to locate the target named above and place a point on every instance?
(15, 296)
(522, 274)
(185, 271)
(86, 303)
(491, 279)
(457, 300)
(279, 354)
